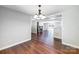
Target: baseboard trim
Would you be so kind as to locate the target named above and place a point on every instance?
(34, 33)
(57, 38)
(6, 47)
(70, 45)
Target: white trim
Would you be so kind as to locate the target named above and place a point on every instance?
(5, 47)
(57, 37)
(74, 46)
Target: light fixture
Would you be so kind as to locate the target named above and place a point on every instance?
(39, 15)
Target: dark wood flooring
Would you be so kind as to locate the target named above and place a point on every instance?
(42, 43)
(47, 38)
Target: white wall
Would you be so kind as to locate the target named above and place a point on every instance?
(71, 27)
(34, 27)
(45, 26)
(15, 27)
(58, 30)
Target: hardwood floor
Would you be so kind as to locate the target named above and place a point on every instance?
(56, 43)
(41, 44)
(33, 47)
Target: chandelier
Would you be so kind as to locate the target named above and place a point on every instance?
(39, 15)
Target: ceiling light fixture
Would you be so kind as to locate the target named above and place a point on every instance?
(39, 15)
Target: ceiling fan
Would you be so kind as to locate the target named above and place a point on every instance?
(39, 15)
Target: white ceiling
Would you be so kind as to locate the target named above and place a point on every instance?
(32, 9)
